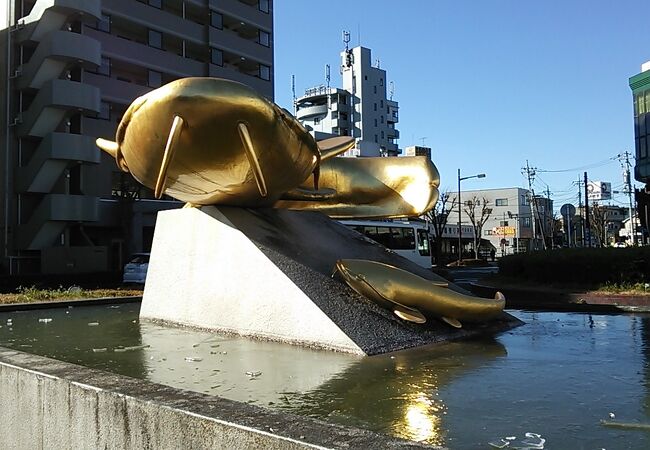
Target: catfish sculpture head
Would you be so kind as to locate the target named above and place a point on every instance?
(214, 141)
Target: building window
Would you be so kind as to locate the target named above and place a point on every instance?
(263, 5)
(155, 79)
(216, 20)
(374, 88)
(381, 82)
(382, 135)
(155, 39)
(382, 119)
(381, 104)
(524, 200)
(264, 38)
(375, 122)
(216, 56)
(375, 106)
(156, 3)
(104, 111)
(265, 72)
(316, 120)
(104, 24)
(376, 140)
(501, 202)
(526, 222)
(365, 77)
(503, 223)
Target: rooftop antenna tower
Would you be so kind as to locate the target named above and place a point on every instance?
(327, 82)
(346, 40)
(293, 93)
(391, 90)
(327, 75)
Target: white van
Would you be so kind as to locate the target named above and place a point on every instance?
(135, 270)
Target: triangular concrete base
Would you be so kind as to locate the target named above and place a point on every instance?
(265, 274)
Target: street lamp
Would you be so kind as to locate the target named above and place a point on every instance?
(460, 251)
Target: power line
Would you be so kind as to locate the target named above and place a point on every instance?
(588, 166)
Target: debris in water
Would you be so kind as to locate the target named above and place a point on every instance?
(612, 415)
(195, 345)
(253, 374)
(99, 350)
(119, 350)
(193, 359)
(45, 320)
(136, 347)
(530, 441)
(93, 324)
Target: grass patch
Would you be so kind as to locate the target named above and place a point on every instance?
(625, 288)
(32, 294)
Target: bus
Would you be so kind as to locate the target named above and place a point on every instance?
(408, 239)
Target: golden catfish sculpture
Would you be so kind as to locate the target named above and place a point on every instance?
(370, 188)
(412, 298)
(213, 141)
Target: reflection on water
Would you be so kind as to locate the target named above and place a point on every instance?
(560, 375)
(398, 393)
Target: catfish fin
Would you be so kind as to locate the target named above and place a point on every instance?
(334, 146)
(308, 195)
(110, 147)
(253, 159)
(408, 314)
(453, 322)
(170, 150)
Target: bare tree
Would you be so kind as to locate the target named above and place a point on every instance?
(478, 211)
(438, 217)
(598, 223)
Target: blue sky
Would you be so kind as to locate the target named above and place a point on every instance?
(488, 84)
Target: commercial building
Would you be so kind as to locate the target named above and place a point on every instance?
(360, 109)
(640, 85)
(509, 226)
(417, 150)
(72, 69)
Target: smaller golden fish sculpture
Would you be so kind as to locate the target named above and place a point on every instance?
(412, 298)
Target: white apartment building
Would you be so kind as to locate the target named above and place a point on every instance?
(509, 226)
(360, 109)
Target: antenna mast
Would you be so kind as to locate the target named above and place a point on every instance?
(293, 92)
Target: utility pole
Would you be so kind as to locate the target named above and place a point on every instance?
(548, 210)
(530, 175)
(624, 159)
(587, 225)
(582, 222)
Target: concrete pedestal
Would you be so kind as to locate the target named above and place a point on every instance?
(266, 274)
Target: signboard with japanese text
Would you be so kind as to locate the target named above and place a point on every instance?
(599, 190)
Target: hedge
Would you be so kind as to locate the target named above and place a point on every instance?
(592, 266)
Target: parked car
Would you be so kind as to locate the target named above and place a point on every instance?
(135, 271)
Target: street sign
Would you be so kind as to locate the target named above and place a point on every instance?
(568, 210)
(599, 190)
(504, 231)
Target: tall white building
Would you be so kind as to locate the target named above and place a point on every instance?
(360, 109)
